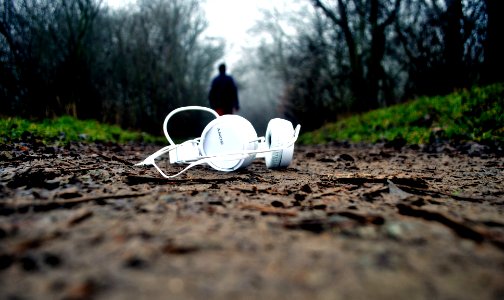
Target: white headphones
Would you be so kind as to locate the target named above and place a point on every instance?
(228, 143)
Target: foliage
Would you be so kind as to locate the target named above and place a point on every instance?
(80, 58)
(65, 129)
(466, 115)
(356, 55)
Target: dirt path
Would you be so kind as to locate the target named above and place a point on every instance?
(359, 222)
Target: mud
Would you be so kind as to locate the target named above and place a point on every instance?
(342, 222)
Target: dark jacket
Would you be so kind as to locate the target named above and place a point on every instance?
(223, 94)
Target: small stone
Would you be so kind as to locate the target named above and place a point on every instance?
(306, 188)
(345, 157)
(52, 260)
(69, 193)
(6, 155)
(277, 204)
(6, 261)
(50, 150)
(299, 197)
(394, 230)
(29, 264)
(81, 290)
(367, 232)
(167, 198)
(3, 233)
(310, 155)
(52, 184)
(135, 263)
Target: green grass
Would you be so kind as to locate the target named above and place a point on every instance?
(476, 114)
(66, 129)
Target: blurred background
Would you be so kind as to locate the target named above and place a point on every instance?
(311, 61)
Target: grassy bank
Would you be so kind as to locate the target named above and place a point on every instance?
(66, 129)
(476, 114)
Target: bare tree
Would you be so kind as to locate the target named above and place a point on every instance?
(162, 61)
(365, 26)
(296, 52)
(442, 43)
(361, 54)
(494, 48)
(80, 58)
(48, 54)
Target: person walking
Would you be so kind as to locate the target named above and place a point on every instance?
(223, 95)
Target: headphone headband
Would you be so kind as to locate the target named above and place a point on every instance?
(181, 109)
(229, 142)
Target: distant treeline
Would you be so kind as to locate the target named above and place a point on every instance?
(357, 55)
(131, 67)
(128, 67)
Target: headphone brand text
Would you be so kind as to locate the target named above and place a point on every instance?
(221, 140)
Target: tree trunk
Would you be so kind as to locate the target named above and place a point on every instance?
(454, 45)
(494, 48)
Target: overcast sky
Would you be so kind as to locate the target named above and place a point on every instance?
(228, 19)
(232, 19)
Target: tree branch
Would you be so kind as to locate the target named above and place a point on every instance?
(330, 14)
(393, 16)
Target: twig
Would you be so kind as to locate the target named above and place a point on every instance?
(114, 158)
(461, 229)
(135, 179)
(420, 191)
(361, 218)
(413, 185)
(270, 210)
(99, 198)
(360, 180)
(79, 217)
(11, 209)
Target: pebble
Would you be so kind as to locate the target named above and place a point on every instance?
(394, 230)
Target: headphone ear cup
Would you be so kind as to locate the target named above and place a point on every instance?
(278, 133)
(228, 134)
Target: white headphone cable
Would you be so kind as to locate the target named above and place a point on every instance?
(150, 160)
(202, 160)
(180, 109)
